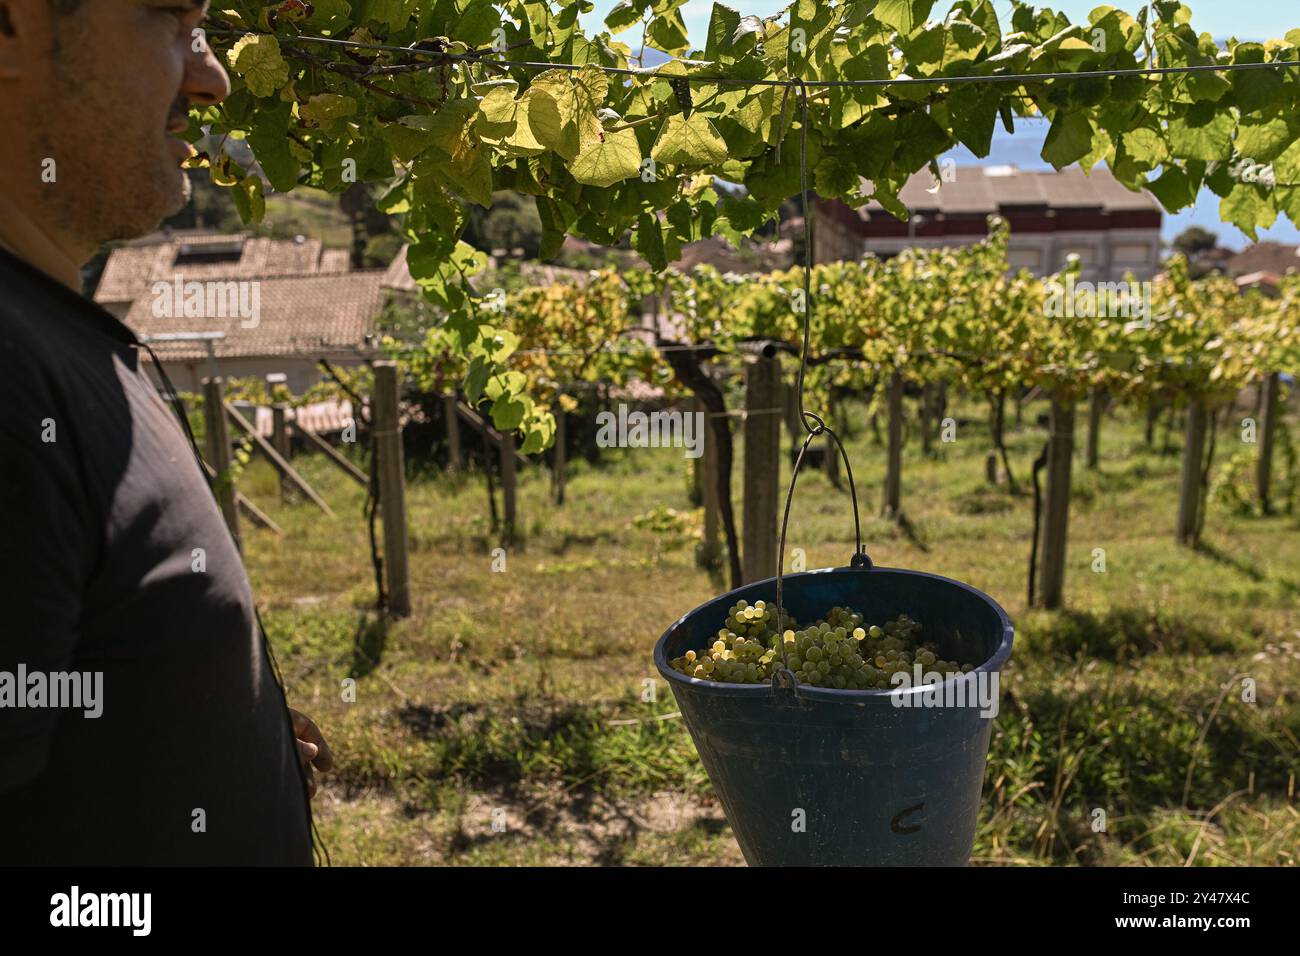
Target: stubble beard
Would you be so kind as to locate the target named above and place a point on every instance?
(113, 180)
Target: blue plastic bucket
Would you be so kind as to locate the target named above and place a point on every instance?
(812, 776)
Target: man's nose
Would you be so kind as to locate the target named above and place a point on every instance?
(205, 80)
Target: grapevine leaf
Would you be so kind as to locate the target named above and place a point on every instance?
(649, 241)
(507, 412)
(389, 13)
(668, 33)
(1286, 168)
(249, 199)
(722, 28)
(624, 15)
(476, 378)
(1204, 133)
(1068, 140)
(323, 108)
(257, 59)
(616, 159)
(269, 141)
(689, 141)
(1146, 147)
(836, 177)
(905, 16)
(1248, 209)
(330, 16)
(1174, 188)
(405, 142)
(1262, 140)
(974, 113)
(477, 23)
(562, 109)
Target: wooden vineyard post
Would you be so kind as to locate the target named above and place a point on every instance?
(451, 419)
(1056, 508)
(926, 407)
(894, 462)
(508, 483)
(1189, 486)
(559, 455)
(831, 465)
(1267, 436)
(764, 403)
(217, 436)
(1096, 406)
(792, 421)
(711, 547)
(697, 464)
(280, 440)
(391, 470)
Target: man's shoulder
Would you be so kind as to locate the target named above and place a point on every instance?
(48, 333)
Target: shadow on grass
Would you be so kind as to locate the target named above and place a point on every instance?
(912, 533)
(1124, 634)
(1246, 568)
(368, 644)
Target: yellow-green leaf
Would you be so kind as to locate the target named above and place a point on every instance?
(257, 59)
(616, 159)
(690, 141)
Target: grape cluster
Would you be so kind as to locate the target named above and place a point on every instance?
(837, 651)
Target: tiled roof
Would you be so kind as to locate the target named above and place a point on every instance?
(717, 252)
(298, 315)
(982, 190)
(1252, 280)
(1275, 257)
(335, 260)
(132, 269)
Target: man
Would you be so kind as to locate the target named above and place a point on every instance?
(122, 590)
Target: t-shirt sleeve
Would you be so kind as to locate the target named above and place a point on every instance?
(47, 545)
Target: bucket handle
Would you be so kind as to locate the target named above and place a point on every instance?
(859, 559)
(813, 423)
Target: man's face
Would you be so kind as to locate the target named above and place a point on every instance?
(103, 92)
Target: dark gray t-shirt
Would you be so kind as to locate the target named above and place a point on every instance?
(102, 512)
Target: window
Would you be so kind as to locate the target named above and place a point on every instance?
(1131, 253)
(1087, 255)
(209, 253)
(1024, 257)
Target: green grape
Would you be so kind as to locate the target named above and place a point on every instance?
(840, 650)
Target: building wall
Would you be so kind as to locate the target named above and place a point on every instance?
(833, 241)
(1106, 255)
(302, 371)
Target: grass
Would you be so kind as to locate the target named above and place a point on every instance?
(516, 717)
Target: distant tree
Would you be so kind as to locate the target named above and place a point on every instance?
(1194, 242)
(368, 223)
(1199, 246)
(381, 250)
(511, 223)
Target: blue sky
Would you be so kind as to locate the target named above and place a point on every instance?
(1254, 21)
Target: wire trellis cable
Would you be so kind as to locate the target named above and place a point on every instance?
(439, 57)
